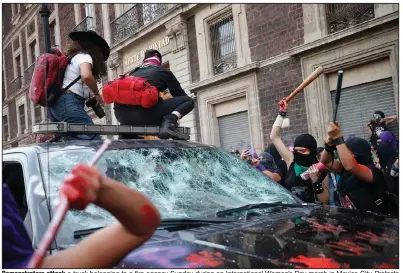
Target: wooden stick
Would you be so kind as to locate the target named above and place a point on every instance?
(318, 71)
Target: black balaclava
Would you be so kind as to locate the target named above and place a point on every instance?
(361, 150)
(387, 155)
(309, 142)
(273, 151)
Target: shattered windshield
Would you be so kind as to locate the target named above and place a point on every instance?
(181, 182)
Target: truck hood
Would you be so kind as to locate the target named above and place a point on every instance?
(291, 238)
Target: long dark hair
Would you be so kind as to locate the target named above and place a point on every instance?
(98, 66)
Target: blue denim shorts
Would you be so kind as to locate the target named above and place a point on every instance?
(70, 108)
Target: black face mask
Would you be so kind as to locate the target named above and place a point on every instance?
(307, 141)
(305, 160)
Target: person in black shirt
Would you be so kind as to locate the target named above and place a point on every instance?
(172, 107)
(377, 125)
(281, 165)
(300, 161)
(361, 185)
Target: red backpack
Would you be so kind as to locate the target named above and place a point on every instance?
(131, 90)
(47, 78)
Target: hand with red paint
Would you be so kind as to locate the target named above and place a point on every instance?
(333, 130)
(81, 186)
(283, 105)
(314, 173)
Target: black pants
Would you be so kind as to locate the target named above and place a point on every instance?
(139, 116)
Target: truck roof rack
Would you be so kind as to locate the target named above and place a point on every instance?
(100, 129)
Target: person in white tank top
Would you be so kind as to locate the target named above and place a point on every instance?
(88, 54)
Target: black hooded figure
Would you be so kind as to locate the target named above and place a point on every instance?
(364, 195)
(281, 165)
(301, 163)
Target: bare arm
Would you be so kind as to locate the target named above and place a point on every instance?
(286, 154)
(88, 78)
(137, 216)
(390, 119)
(327, 159)
(275, 176)
(324, 196)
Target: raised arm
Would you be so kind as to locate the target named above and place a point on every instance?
(347, 159)
(137, 220)
(327, 159)
(390, 119)
(284, 152)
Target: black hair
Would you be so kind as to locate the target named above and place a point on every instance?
(151, 53)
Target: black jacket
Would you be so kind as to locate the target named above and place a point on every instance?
(160, 78)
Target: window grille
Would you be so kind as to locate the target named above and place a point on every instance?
(222, 35)
(5, 127)
(21, 113)
(341, 16)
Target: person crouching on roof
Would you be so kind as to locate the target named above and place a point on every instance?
(174, 105)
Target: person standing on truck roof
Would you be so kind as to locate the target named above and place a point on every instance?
(137, 219)
(172, 107)
(90, 52)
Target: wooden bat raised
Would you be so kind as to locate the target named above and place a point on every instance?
(318, 71)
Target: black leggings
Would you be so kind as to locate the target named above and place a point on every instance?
(139, 116)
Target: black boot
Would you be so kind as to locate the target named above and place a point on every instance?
(168, 127)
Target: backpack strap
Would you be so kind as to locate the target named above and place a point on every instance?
(76, 79)
(72, 83)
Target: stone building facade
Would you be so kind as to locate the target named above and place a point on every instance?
(238, 60)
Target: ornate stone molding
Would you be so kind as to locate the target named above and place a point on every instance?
(177, 33)
(115, 63)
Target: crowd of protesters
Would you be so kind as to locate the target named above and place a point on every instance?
(354, 173)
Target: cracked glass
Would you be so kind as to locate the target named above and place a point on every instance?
(181, 182)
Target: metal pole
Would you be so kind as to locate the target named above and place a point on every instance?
(45, 13)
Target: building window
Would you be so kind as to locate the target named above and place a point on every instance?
(31, 28)
(52, 30)
(32, 52)
(222, 35)
(37, 114)
(16, 43)
(87, 16)
(5, 128)
(16, 83)
(18, 66)
(21, 115)
(342, 16)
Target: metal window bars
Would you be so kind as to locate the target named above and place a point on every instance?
(5, 127)
(341, 16)
(223, 47)
(21, 114)
(85, 25)
(139, 15)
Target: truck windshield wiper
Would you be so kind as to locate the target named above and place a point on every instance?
(184, 222)
(259, 206)
(168, 222)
